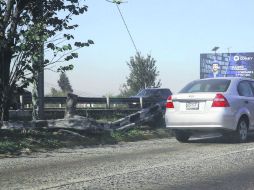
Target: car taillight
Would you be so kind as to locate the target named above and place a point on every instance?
(169, 103)
(220, 101)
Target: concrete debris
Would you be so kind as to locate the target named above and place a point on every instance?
(79, 123)
(70, 135)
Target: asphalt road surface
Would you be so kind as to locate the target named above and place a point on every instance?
(156, 164)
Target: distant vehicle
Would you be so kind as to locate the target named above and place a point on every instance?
(225, 105)
(156, 95)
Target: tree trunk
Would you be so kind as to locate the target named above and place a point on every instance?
(35, 99)
(5, 105)
(1, 83)
(5, 61)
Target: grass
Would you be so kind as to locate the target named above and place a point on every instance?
(14, 142)
(138, 134)
(8, 146)
(17, 142)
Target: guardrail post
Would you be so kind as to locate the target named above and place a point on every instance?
(21, 99)
(141, 102)
(71, 103)
(108, 103)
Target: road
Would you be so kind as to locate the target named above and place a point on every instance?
(155, 164)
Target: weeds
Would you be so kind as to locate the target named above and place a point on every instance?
(14, 142)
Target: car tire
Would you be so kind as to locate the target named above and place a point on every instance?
(182, 136)
(241, 135)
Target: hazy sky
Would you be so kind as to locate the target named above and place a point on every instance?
(174, 32)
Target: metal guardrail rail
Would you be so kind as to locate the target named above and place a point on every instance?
(105, 101)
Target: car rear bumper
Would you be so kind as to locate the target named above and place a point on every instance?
(214, 120)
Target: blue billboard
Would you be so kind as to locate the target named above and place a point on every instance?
(227, 65)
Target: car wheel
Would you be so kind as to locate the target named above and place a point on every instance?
(242, 131)
(182, 136)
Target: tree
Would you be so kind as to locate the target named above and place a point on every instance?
(65, 87)
(56, 93)
(143, 74)
(64, 83)
(25, 25)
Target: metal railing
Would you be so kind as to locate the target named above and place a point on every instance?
(92, 102)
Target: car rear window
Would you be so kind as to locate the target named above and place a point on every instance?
(213, 85)
(146, 92)
(151, 92)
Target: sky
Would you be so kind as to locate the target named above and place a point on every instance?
(174, 32)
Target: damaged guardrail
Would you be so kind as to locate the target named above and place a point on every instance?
(79, 123)
(89, 102)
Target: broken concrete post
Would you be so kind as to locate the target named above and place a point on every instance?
(71, 103)
(141, 102)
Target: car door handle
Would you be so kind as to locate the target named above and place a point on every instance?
(246, 102)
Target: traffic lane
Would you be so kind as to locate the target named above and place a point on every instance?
(231, 170)
(161, 177)
(135, 153)
(50, 169)
(94, 166)
(239, 180)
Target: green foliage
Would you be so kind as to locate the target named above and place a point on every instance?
(131, 135)
(56, 93)
(16, 141)
(143, 74)
(29, 27)
(64, 83)
(118, 136)
(139, 134)
(8, 146)
(126, 91)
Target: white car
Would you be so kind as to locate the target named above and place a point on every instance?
(223, 105)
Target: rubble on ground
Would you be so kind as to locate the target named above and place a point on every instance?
(80, 123)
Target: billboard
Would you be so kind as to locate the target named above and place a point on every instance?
(226, 65)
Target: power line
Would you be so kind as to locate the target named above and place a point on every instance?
(126, 26)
